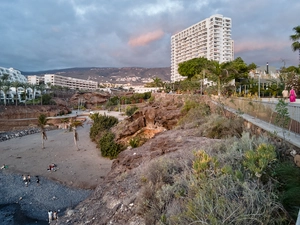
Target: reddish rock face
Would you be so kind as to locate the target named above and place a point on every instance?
(153, 118)
(90, 100)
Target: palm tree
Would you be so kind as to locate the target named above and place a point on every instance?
(3, 82)
(25, 86)
(74, 125)
(296, 38)
(157, 82)
(42, 122)
(33, 87)
(16, 84)
(41, 88)
(64, 121)
(6, 89)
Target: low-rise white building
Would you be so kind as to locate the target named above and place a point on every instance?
(70, 82)
(13, 75)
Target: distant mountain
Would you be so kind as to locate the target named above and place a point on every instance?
(124, 75)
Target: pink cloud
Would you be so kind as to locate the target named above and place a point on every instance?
(146, 38)
(259, 45)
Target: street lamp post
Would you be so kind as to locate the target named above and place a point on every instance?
(258, 86)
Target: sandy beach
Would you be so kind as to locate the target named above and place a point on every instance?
(77, 172)
(80, 169)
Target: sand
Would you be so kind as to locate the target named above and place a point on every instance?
(80, 169)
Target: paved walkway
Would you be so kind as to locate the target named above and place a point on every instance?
(290, 137)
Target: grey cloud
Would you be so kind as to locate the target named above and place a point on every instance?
(51, 34)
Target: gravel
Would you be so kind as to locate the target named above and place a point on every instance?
(36, 200)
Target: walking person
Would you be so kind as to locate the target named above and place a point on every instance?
(292, 95)
(50, 216)
(285, 94)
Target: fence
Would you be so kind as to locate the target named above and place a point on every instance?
(264, 110)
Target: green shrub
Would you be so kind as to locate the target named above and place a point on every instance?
(152, 99)
(134, 142)
(195, 116)
(108, 146)
(189, 104)
(257, 161)
(217, 126)
(288, 176)
(101, 123)
(130, 110)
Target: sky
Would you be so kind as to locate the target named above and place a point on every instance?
(37, 35)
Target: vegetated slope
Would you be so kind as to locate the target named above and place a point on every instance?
(135, 75)
(179, 176)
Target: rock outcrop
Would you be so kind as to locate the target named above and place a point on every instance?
(90, 100)
(115, 200)
(161, 115)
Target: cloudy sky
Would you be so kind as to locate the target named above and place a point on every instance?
(54, 34)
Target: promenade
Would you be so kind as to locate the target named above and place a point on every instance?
(294, 113)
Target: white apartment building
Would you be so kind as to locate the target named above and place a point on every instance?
(70, 82)
(34, 79)
(210, 38)
(13, 75)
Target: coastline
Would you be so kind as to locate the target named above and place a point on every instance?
(36, 199)
(78, 174)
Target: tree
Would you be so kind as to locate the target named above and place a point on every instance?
(3, 82)
(252, 66)
(41, 88)
(220, 73)
(74, 125)
(296, 38)
(16, 84)
(33, 87)
(25, 86)
(192, 67)
(157, 82)
(64, 121)
(42, 122)
(282, 117)
(6, 89)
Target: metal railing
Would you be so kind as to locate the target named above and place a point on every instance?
(264, 110)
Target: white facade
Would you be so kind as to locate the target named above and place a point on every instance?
(210, 38)
(34, 79)
(72, 83)
(13, 75)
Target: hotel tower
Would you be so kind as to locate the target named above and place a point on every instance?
(210, 38)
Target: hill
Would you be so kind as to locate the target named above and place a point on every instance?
(124, 75)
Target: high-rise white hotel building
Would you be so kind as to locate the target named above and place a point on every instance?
(210, 38)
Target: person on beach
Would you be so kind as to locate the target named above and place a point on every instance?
(55, 215)
(50, 216)
(3, 167)
(24, 177)
(292, 95)
(28, 179)
(37, 180)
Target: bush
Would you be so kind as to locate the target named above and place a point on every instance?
(101, 123)
(130, 110)
(195, 116)
(257, 161)
(134, 142)
(215, 188)
(217, 126)
(288, 176)
(109, 148)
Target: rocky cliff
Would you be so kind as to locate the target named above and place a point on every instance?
(115, 201)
